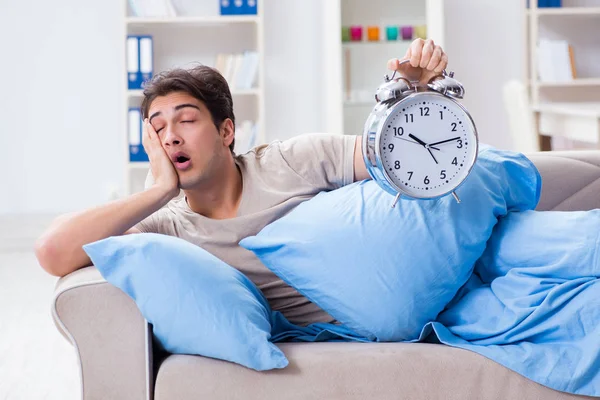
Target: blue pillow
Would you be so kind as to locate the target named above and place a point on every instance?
(196, 303)
(386, 272)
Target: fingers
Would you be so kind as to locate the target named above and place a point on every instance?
(435, 59)
(393, 64)
(443, 64)
(416, 51)
(426, 53)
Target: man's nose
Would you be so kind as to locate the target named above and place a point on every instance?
(171, 137)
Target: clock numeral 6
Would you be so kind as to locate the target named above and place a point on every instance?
(443, 174)
(426, 180)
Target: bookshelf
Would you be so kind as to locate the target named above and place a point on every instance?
(576, 24)
(360, 65)
(184, 38)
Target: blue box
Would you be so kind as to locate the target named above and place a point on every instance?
(238, 7)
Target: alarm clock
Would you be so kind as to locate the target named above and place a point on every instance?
(419, 141)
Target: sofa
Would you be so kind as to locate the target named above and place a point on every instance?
(117, 360)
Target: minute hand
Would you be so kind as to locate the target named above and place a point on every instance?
(444, 141)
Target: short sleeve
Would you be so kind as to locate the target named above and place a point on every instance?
(324, 160)
(148, 225)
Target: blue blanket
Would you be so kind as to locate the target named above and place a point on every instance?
(532, 303)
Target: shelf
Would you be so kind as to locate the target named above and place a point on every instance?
(376, 43)
(192, 20)
(357, 103)
(574, 83)
(138, 165)
(574, 11)
(241, 92)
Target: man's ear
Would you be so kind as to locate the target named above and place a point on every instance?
(227, 132)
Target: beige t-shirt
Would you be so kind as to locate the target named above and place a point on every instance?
(276, 178)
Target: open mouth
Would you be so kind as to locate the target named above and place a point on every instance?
(181, 161)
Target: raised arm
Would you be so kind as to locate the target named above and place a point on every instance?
(59, 249)
(427, 60)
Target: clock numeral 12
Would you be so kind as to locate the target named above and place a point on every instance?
(424, 111)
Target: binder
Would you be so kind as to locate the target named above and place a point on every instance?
(140, 60)
(238, 7)
(134, 76)
(136, 148)
(146, 58)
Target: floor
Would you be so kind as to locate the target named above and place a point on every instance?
(36, 362)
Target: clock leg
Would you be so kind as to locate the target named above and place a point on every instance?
(396, 200)
(456, 197)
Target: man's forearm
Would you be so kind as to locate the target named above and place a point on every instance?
(59, 249)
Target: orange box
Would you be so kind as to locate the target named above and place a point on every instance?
(373, 33)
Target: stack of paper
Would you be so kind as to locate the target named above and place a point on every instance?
(555, 61)
(240, 70)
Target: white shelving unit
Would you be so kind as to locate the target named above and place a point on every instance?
(360, 65)
(578, 23)
(186, 40)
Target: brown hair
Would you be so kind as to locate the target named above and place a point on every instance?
(202, 82)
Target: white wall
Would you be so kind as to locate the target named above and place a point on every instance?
(485, 41)
(60, 104)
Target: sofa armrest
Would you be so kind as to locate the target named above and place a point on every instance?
(112, 340)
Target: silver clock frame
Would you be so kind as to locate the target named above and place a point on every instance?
(372, 137)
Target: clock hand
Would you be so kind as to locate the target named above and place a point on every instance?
(424, 145)
(429, 150)
(410, 141)
(444, 141)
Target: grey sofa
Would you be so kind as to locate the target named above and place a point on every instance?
(117, 361)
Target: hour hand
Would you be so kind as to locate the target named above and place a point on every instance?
(422, 143)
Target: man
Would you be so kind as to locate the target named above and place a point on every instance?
(189, 138)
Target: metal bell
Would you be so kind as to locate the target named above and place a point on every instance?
(447, 85)
(393, 89)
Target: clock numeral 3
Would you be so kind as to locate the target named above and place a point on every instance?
(459, 144)
(397, 165)
(443, 174)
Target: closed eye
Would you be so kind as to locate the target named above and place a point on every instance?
(188, 121)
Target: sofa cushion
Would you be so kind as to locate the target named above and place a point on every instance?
(352, 371)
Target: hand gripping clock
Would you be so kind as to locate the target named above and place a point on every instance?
(419, 141)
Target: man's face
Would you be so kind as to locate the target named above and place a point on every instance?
(189, 136)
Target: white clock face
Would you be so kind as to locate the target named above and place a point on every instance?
(428, 145)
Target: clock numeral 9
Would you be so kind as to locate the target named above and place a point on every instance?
(398, 131)
(397, 165)
(409, 118)
(424, 111)
(443, 174)
(391, 147)
(426, 180)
